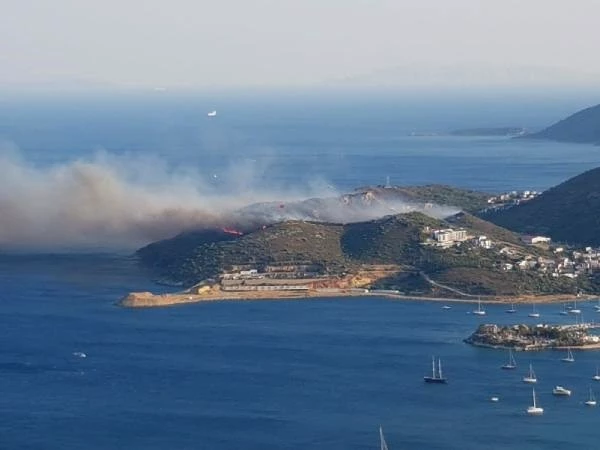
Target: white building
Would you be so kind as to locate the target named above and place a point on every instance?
(449, 235)
(484, 242)
(535, 239)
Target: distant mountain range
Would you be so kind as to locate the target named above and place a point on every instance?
(582, 127)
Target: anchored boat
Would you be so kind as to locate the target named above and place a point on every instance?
(569, 358)
(530, 377)
(535, 410)
(560, 391)
(436, 375)
(511, 364)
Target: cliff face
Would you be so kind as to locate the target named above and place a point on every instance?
(582, 127)
(569, 212)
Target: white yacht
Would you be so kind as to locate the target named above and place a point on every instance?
(494, 399)
(446, 307)
(479, 311)
(511, 364)
(569, 358)
(530, 377)
(561, 391)
(533, 312)
(535, 410)
(212, 114)
(597, 376)
(591, 401)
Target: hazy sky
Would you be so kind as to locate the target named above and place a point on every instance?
(291, 42)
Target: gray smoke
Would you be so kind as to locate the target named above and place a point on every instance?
(124, 202)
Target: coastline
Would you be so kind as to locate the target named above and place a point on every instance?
(150, 300)
(594, 346)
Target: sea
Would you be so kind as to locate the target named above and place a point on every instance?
(78, 372)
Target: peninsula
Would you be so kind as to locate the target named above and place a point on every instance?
(583, 127)
(418, 249)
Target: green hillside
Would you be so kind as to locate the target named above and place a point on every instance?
(569, 212)
(336, 249)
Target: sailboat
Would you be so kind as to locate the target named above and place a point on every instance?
(565, 311)
(569, 358)
(511, 364)
(591, 401)
(574, 309)
(382, 439)
(535, 410)
(436, 376)
(512, 309)
(597, 307)
(597, 376)
(479, 311)
(530, 377)
(534, 313)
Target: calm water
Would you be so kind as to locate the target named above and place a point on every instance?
(319, 374)
(346, 142)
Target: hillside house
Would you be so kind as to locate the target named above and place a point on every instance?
(532, 240)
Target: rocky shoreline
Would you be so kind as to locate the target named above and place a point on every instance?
(522, 337)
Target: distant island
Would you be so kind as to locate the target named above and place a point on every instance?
(583, 127)
(490, 131)
(475, 132)
(536, 337)
(427, 245)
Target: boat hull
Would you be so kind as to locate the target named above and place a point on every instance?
(434, 380)
(534, 411)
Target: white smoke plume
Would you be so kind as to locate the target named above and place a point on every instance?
(111, 202)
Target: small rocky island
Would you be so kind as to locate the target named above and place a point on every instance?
(534, 337)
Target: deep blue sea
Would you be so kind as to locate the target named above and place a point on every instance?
(318, 374)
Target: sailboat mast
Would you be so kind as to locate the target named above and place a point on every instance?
(440, 367)
(533, 390)
(382, 439)
(433, 366)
